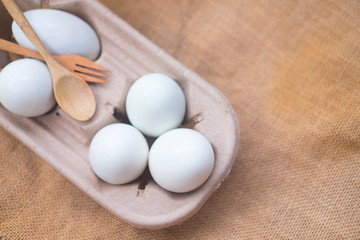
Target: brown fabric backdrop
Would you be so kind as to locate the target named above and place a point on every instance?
(291, 71)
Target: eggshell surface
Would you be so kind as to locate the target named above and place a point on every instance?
(155, 104)
(61, 32)
(26, 88)
(118, 153)
(181, 160)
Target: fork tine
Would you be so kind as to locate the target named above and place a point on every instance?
(84, 62)
(89, 78)
(89, 71)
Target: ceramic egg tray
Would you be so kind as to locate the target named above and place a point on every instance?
(63, 142)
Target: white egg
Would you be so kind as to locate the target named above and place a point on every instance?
(118, 153)
(61, 32)
(155, 104)
(26, 88)
(181, 160)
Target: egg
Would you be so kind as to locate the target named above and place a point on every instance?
(181, 160)
(26, 88)
(61, 32)
(155, 104)
(118, 153)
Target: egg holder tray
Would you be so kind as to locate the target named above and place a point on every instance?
(63, 142)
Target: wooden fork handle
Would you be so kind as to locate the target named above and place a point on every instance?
(14, 48)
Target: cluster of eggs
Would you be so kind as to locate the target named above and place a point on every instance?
(25, 85)
(180, 160)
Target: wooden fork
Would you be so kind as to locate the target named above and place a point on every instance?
(83, 67)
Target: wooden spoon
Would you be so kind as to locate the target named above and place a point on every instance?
(71, 92)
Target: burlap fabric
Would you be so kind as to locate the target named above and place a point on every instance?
(291, 71)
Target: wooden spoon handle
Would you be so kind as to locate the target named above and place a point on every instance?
(14, 48)
(25, 26)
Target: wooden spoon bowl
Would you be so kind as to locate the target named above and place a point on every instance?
(64, 143)
(75, 96)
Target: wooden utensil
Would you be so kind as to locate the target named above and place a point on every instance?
(71, 92)
(77, 64)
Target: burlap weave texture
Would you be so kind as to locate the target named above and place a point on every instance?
(291, 70)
